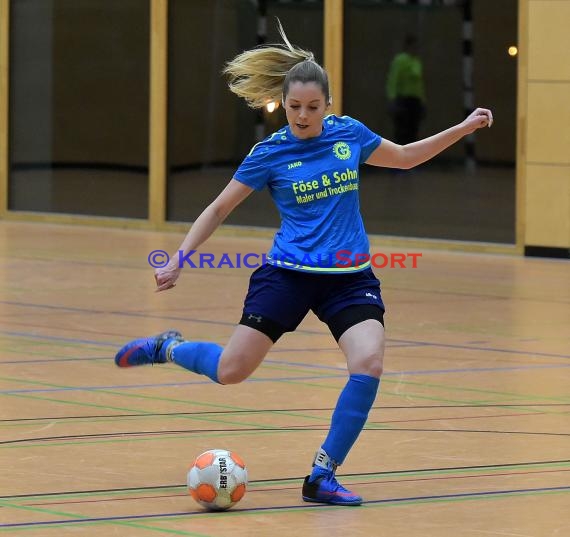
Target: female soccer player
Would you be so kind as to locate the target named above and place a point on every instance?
(311, 167)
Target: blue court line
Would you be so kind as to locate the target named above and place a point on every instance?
(59, 339)
(280, 379)
(49, 306)
(165, 385)
(400, 342)
(477, 369)
(389, 345)
(222, 323)
(425, 371)
(488, 493)
(273, 350)
(93, 358)
(54, 360)
(143, 315)
(486, 349)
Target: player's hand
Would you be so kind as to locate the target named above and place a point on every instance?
(479, 118)
(166, 277)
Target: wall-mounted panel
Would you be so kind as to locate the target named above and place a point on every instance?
(548, 206)
(548, 137)
(548, 23)
(79, 104)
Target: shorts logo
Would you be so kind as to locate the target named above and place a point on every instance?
(372, 296)
(341, 150)
(257, 318)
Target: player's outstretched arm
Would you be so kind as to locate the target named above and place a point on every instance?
(391, 155)
(234, 193)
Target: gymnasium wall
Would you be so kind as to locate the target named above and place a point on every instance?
(495, 76)
(79, 102)
(544, 127)
(79, 99)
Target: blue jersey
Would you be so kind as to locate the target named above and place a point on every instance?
(314, 183)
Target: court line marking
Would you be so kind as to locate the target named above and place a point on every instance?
(87, 418)
(301, 381)
(279, 379)
(266, 430)
(373, 475)
(379, 426)
(251, 490)
(208, 405)
(255, 510)
(223, 323)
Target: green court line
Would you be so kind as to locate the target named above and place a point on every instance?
(441, 399)
(124, 409)
(303, 509)
(384, 381)
(94, 494)
(175, 416)
(208, 405)
(160, 529)
(152, 438)
(34, 342)
(151, 416)
(169, 437)
(55, 354)
(95, 522)
(156, 398)
(217, 420)
(402, 395)
(200, 403)
(476, 390)
(168, 399)
(54, 512)
(299, 369)
(75, 403)
(446, 472)
(119, 440)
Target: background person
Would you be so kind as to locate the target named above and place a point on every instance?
(405, 92)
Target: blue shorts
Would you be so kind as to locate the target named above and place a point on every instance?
(278, 299)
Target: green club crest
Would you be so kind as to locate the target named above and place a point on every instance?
(341, 150)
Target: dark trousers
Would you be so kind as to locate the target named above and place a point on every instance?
(407, 113)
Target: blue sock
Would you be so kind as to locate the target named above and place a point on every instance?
(349, 417)
(200, 357)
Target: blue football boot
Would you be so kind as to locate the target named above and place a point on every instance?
(149, 350)
(322, 486)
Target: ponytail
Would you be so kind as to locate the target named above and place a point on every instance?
(264, 73)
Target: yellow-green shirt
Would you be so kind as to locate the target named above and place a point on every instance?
(405, 77)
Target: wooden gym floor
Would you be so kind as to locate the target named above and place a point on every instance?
(469, 437)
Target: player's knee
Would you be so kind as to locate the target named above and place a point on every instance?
(233, 371)
(226, 376)
(369, 364)
(374, 367)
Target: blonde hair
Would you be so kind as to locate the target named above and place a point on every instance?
(264, 73)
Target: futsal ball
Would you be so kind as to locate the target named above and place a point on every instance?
(217, 479)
